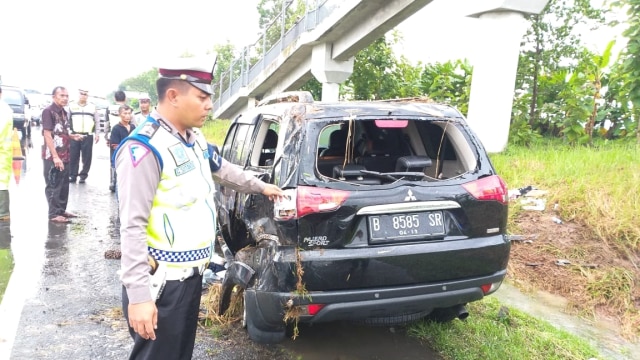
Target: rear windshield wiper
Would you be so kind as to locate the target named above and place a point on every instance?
(394, 175)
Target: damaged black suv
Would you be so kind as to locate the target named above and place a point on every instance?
(394, 213)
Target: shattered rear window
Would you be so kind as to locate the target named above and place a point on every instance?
(379, 151)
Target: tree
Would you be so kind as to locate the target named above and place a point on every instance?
(448, 83)
(631, 60)
(595, 67)
(553, 44)
(145, 82)
(270, 20)
(372, 69)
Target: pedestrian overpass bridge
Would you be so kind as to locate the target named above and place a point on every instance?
(323, 41)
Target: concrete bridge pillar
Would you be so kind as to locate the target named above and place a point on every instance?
(328, 71)
(495, 66)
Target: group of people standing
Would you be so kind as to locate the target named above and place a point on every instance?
(70, 131)
(165, 189)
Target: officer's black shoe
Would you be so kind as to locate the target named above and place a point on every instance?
(82, 181)
(72, 179)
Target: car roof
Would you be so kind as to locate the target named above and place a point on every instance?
(366, 109)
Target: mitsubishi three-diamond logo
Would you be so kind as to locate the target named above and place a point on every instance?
(410, 196)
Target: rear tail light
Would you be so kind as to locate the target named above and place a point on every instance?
(490, 288)
(491, 188)
(307, 200)
(313, 309)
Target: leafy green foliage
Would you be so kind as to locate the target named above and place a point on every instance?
(448, 83)
(631, 61)
(145, 82)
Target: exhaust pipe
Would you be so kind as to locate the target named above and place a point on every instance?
(461, 312)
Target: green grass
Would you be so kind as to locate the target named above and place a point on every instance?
(6, 267)
(495, 333)
(597, 186)
(215, 130)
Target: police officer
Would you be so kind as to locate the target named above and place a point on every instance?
(6, 156)
(165, 190)
(84, 121)
(145, 109)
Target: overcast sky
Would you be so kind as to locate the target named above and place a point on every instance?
(97, 44)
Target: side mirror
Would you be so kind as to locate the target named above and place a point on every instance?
(26, 101)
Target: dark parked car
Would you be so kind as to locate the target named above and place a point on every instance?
(17, 99)
(394, 213)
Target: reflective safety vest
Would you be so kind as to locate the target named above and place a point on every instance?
(82, 118)
(6, 151)
(182, 224)
(114, 116)
(139, 118)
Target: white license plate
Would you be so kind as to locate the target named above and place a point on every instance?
(406, 226)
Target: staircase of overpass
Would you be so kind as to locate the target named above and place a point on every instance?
(322, 40)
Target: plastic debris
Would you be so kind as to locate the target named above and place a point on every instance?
(528, 239)
(556, 220)
(563, 262)
(533, 204)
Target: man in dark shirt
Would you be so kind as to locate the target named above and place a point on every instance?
(55, 155)
(118, 133)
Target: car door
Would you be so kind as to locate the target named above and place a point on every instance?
(235, 151)
(256, 210)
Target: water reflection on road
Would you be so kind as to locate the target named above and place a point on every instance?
(549, 307)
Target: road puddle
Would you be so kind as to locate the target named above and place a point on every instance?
(548, 307)
(351, 341)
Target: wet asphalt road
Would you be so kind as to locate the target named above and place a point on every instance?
(68, 303)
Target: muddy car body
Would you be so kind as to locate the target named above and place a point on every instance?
(394, 213)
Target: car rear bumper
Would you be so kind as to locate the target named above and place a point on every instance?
(362, 304)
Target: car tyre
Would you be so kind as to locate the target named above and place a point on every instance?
(257, 328)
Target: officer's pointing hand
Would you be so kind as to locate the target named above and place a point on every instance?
(273, 192)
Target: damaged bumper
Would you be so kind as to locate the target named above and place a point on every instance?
(366, 304)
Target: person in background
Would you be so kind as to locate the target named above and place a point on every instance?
(84, 121)
(165, 187)
(112, 118)
(145, 109)
(6, 157)
(55, 155)
(118, 133)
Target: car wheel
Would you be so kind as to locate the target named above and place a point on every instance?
(257, 329)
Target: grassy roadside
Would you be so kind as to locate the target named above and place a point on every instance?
(6, 267)
(496, 332)
(598, 186)
(492, 332)
(597, 190)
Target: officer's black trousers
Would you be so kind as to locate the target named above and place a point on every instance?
(57, 194)
(81, 149)
(178, 308)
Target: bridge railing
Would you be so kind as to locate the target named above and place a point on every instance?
(254, 58)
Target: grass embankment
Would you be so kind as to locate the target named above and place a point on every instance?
(597, 190)
(492, 332)
(597, 186)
